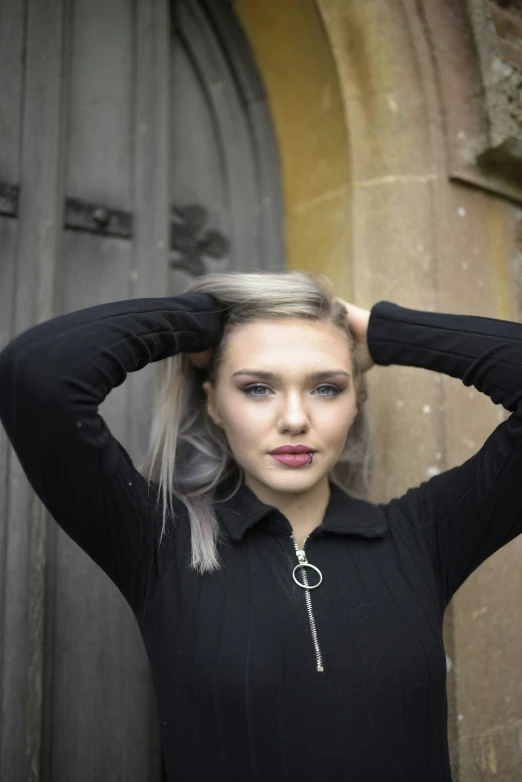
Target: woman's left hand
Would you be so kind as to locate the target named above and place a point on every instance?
(358, 320)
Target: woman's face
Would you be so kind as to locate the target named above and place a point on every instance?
(259, 413)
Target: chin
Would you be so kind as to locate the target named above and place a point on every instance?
(292, 478)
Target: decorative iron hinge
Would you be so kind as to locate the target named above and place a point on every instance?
(189, 242)
(98, 219)
(9, 195)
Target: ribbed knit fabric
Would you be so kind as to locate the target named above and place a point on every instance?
(232, 655)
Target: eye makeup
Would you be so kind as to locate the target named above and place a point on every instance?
(333, 391)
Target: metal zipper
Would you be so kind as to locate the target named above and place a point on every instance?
(301, 556)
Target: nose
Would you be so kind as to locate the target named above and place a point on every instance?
(293, 415)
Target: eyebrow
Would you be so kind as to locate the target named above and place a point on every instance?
(311, 376)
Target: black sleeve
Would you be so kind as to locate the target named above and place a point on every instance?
(53, 377)
(470, 511)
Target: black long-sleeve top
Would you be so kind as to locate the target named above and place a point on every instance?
(233, 659)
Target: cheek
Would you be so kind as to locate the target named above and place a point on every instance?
(245, 420)
(334, 429)
(336, 416)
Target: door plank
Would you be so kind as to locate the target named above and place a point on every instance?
(99, 665)
(149, 274)
(39, 225)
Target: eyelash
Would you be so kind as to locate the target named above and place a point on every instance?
(335, 391)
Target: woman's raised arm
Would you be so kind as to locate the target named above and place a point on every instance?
(53, 377)
(470, 511)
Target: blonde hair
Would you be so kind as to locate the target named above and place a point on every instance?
(189, 454)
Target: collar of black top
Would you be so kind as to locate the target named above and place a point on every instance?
(345, 514)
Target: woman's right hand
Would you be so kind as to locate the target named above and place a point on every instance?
(200, 359)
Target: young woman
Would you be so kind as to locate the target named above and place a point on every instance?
(294, 629)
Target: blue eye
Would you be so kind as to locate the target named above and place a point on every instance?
(249, 390)
(333, 391)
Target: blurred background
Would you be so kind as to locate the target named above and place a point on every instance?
(143, 142)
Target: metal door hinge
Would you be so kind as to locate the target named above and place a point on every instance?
(98, 219)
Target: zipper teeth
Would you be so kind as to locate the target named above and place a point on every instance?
(308, 599)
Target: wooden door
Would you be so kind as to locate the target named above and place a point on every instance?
(136, 151)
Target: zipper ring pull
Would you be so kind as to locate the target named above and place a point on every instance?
(309, 586)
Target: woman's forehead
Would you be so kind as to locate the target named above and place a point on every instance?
(280, 341)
